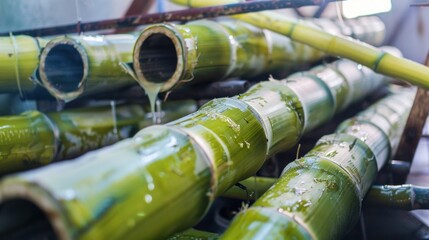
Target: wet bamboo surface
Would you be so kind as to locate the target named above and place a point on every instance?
(201, 51)
(374, 58)
(74, 66)
(319, 196)
(34, 139)
(164, 179)
(19, 58)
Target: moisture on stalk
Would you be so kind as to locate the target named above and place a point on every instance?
(163, 180)
(319, 196)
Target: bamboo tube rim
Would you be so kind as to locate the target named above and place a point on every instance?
(53, 86)
(40, 198)
(166, 32)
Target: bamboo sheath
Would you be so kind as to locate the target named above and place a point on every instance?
(72, 66)
(34, 139)
(172, 55)
(319, 196)
(377, 60)
(19, 58)
(164, 179)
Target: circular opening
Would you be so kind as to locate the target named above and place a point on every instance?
(64, 68)
(21, 219)
(158, 58)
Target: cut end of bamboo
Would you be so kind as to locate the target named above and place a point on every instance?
(28, 211)
(64, 68)
(158, 57)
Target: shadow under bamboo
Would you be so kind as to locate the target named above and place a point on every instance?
(164, 179)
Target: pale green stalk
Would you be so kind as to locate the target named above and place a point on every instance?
(376, 59)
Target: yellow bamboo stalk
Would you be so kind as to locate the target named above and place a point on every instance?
(336, 45)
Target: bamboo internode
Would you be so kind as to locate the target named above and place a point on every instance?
(34, 139)
(73, 66)
(19, 58)
(164, 179)
(319, 196)
(171, 55)
(374, 58)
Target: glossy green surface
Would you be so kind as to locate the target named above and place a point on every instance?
(19, 57)
(194, 234)
(322, 192)
(404, 197)
(164, 179)
(101, 69)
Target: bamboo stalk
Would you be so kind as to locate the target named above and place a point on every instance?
(164, 179)
(171, 55)
(250, 189)
(73, 66)
(377, 60)
(181, 16)
(19, 57)
(35, 139)
(405, 197)
(193, 234)
(319, 196)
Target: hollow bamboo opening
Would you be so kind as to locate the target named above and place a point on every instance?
(28, 212)
(158, 57)
(21, 219)
(63, 69)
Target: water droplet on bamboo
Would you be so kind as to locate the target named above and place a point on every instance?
(148, 198)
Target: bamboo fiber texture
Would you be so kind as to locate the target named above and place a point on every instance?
(164, 179)
(171, 54)
(319, 196)
(376, 59)
(74, 66)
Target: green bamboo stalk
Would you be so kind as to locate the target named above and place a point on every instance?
(377, 60)
(193, 234)
(19, 57)
(250, 189)
(72, 66)
(319, 196)
(35, 139)
(170, 55)
(405, 197)
(164, 179)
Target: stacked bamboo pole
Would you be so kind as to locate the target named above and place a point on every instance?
(34, 139)
(72, 66)
(376, 59)
(19, 58)
(164, 179)
(319, 196)
(171, 55)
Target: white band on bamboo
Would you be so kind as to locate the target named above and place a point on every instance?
(16, 57)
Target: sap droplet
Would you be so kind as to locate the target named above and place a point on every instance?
(148, 198)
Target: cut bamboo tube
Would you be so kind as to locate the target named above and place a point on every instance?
(164, 179)
(72, 66)
(193, 234)
(19, 58)
(35, 139)
(377, 60)
(319, 196)
(200, 51)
